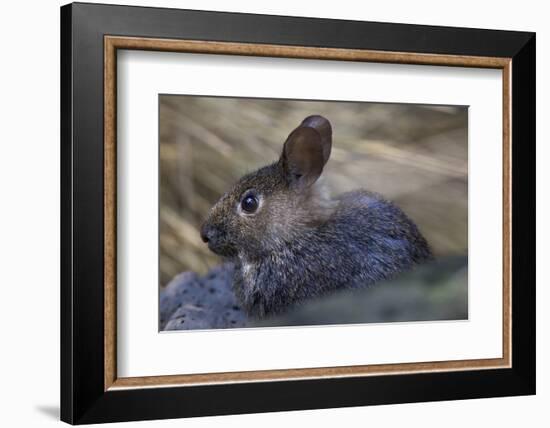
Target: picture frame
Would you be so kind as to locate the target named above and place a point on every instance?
(91, 390)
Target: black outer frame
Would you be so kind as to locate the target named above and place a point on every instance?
(83, 399)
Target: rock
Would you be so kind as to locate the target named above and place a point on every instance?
(191, 302)
(174, 294)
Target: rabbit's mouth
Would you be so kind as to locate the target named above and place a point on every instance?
(221, 249)
(216, 241)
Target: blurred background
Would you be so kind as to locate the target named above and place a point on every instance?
(415, 155)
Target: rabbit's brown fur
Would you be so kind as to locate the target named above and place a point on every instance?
(298, 243)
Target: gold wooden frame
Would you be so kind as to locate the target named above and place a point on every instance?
(113, 43)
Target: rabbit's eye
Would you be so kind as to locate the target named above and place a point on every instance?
(249, 204)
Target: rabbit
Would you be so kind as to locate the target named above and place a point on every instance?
(290, 241)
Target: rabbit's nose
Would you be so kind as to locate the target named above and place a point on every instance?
(207, 232)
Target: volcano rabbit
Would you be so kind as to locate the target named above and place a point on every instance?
(290, 241)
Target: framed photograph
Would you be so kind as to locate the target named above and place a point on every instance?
(265, 213)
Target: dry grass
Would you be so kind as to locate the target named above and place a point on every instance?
(414, 155)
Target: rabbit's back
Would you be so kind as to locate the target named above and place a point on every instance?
(377, 234)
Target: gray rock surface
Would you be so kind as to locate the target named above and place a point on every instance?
(191, 302)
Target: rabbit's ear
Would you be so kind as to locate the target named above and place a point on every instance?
(323, 127)
(306, 151)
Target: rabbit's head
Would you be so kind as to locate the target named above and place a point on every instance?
(273, 205)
